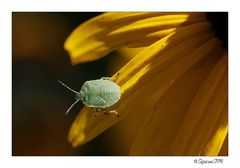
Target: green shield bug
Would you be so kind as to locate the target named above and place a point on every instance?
(97, 94)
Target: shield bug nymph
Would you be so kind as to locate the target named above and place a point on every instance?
(97, 94)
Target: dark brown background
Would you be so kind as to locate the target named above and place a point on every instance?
(39, 124)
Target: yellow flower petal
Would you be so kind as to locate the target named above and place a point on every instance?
(203, 113)
(161, 126)
(121, 57)
(217, 138)
(99, 36)
(170, 48)
(224, 148)
(129, 53)
(164, 61)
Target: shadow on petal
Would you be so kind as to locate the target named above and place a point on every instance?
(153, 70)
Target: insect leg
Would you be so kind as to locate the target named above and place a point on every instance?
(115, 112)
(109, 78)
(95, 111)
(104, 111)
(115, 78)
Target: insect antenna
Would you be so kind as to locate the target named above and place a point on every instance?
(71, 106)
(67, 87)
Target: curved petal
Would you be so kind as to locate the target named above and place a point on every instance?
(218, 135)
(201, 118)
(160, 128)
(100, 35)
(163, 61)
(121, 57)
(129, 53)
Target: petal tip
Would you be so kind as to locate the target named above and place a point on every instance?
(76, 140)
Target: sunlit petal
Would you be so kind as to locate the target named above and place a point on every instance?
(99, 36)
(203, 113)
(160, 128)
(164, 61)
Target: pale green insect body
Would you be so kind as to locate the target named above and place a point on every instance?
(97, 94)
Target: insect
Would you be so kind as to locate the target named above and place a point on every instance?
(97, 94)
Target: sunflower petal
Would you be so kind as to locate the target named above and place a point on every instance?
(218, 135)
(129, 53)
(112, 30)
(161, 126)
(168, 49)
(203, 113)
(168, 61)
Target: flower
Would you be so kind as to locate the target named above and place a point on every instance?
(174, 91)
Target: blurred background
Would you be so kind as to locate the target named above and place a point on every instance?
(39, 124)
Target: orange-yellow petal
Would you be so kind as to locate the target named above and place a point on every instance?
(161, 126)
(218, 135)
(100, 35)
(152, 70)
(202, 115)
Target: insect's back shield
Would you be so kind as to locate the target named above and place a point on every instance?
(101, 93)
